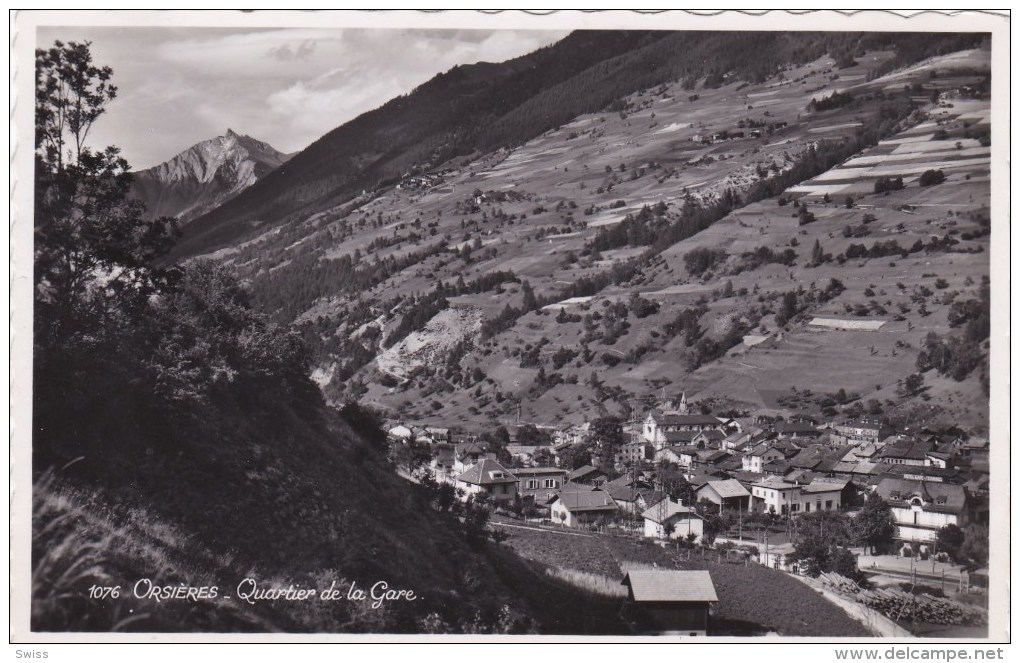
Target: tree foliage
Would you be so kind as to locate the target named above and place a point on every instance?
(606, 435)
(949, 540)
(875, 525)
(126, 351)
(94, 254)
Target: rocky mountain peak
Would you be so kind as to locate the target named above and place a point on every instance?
(206, 175)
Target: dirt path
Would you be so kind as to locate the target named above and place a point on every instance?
(873, 621)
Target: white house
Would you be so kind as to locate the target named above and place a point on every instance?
(539, 483)
(922, 508)
(774, 495)
(820, 496)
(781, 497)
(678, 520)
(489, 477)
(573, 508)
(757, 458)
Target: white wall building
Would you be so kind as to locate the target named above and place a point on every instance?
(922, 508)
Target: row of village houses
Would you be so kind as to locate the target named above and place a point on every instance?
(784, 468)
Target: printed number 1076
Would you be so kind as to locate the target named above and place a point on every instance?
(96, 592)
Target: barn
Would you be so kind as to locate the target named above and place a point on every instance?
(671, 602)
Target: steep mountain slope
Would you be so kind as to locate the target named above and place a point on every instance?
(474, 109)
(309, 506)
(597, 218)
(205, 175)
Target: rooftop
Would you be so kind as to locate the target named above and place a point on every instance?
(936, 496)
(486, 472)
(687, 420)
(671, 586)
(532, 471)
(665, 510)
(678, 436)
(759, 450)
(774, 483)
(583, 471)
(824, 486)
(592, 500)
(796, 427)
(729, 488)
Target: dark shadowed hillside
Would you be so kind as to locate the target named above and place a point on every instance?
(222, 463)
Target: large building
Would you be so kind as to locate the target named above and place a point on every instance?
(657, 424)
(774, 495)
(922, 508)
(860, 431)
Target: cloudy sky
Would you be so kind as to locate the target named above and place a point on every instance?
(288, 87)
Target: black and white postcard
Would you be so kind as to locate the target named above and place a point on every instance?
(665, 326)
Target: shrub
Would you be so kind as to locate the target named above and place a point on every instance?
(932, 177)
(610, 359)
(886, 184)
(700, 260)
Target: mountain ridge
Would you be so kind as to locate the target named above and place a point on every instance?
(473, 109)
(205, 175)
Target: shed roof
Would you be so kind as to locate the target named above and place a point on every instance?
(728, 488)
(671, 586)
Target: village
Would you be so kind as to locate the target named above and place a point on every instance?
(737, 486)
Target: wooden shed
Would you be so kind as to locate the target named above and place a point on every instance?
(672, 602)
